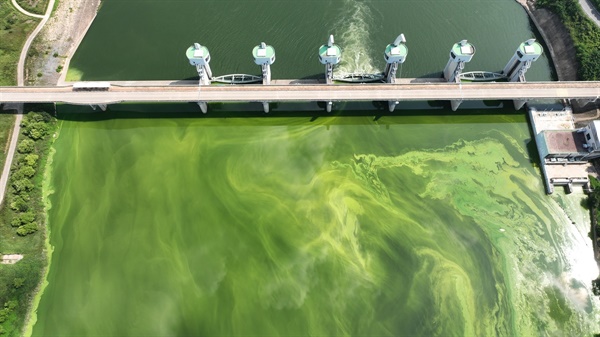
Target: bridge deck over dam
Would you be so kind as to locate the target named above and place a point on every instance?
(150, 91)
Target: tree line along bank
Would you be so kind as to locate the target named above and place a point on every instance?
(21, 217)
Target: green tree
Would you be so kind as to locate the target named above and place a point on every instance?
(19, 204)
(11, 305)
(585, 35)
(22, 185)
(26, 171)
(27, 229)
(27, 217)
(15, 222)
(36, 130)
(22, 218)
(39, 116)
(29, 160)
(590, 65)
(595, 195)
(26, 146)
(35, 117)
(4, 314)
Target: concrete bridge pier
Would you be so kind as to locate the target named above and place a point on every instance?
(392, 105)
(519, 103)
(329, 106)
(395, 54)
(266, 107)
(203, 106)
(455, 103)
(330, 55)
(101, 106)
(329, 74)
(581, 102)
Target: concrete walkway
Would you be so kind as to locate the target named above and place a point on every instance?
(10, 154)
(20, 81)
(591, 11)
(22, 10)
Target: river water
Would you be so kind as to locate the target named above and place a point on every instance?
(167, 222)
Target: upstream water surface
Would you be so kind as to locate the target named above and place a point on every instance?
(427, 223)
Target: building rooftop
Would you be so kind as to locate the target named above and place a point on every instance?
(263, 52)
(327, 51)
(399, 50)
(564, 141)
(193, 53)
(573, 170)
(535, 48)
(552, 120)
(596, 124)
(463, 49)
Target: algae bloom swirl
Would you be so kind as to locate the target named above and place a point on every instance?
(281, 226)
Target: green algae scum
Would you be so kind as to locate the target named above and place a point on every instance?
(285, 226)
(420, 224)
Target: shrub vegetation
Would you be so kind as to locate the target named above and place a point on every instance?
(585, 34)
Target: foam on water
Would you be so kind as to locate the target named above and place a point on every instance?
(353, 37)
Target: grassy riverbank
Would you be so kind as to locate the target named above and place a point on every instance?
(14, 29)
(18, 281)
(20, 220)
(34, 6)
(585, 35)
(22, 215)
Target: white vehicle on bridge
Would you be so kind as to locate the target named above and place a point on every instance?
(91, 86)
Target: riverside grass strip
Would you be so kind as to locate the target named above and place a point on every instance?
(14, 29)
(33, 6)
(19, 281)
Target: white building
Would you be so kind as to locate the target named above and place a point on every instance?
(592, 141)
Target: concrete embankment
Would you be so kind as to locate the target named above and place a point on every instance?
(559, 43)
(561, 48)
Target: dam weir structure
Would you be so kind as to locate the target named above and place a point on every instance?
(455, 86)
(330, 55)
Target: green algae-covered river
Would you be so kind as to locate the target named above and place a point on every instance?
(427, 224)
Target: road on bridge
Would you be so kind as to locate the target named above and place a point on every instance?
(138, 92)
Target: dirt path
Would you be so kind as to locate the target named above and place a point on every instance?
(10, 153)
